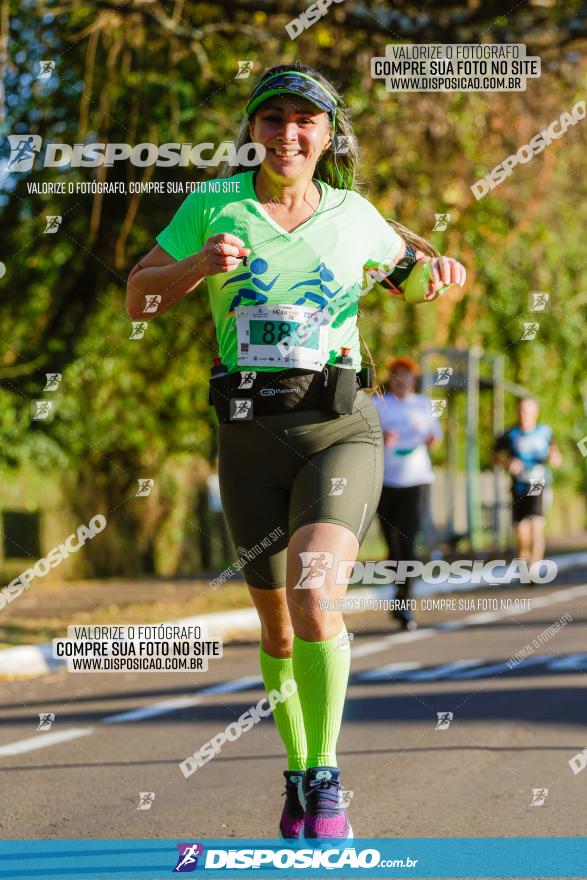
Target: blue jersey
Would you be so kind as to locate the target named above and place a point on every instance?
(532, 448)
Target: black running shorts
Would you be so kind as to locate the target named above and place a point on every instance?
(524, 505)
(281, 472)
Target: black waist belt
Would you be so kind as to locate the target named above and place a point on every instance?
(247, 394)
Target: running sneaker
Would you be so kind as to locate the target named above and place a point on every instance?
(325, 817)
(292, 818)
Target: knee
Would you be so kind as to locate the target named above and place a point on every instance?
(277, 641)
(318, 627)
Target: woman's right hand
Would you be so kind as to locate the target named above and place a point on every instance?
(222, 253)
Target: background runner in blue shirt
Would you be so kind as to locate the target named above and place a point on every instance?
(526, 450)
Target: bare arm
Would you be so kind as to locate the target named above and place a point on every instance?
(554, 456)
(159, 274)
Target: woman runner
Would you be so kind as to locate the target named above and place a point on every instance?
(409, 430)
(285, 254)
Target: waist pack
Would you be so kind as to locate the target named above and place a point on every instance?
(246, 395)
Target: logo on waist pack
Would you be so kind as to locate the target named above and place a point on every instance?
(270, 392)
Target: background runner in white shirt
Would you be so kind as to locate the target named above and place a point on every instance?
(409, 429)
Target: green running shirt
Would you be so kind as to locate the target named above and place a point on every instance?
(321, 265)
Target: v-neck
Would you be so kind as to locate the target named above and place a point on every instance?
(267, 216)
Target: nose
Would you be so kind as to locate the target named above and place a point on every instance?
(288, 132)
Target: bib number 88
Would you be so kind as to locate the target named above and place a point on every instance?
(269, 328)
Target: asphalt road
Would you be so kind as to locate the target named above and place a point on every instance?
(513, 731)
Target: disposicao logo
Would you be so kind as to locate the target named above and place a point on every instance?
(25, 147)
(187, 860)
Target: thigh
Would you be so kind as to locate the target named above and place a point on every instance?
(256, 513)
(341, 484)
(315, 581)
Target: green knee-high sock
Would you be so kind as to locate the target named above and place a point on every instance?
(288, 715)
(321, 671)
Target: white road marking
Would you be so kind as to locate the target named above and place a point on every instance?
(386, 642)
(165, 706)
(568, 663)
(447, 670)
(461, 670)
(253, 681)
(497, 668)
(44, 740)
(385, 672)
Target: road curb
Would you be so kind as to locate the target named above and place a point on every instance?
(34, 660)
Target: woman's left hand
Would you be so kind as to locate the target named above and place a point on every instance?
(445, 272)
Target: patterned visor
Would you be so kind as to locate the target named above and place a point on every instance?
(294, 83)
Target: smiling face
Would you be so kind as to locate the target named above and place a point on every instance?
(294, 133)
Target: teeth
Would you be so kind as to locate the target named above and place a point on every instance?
(286, 153)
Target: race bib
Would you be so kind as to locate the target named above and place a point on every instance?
(281, 336)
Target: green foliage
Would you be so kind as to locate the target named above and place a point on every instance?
(131, 74)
